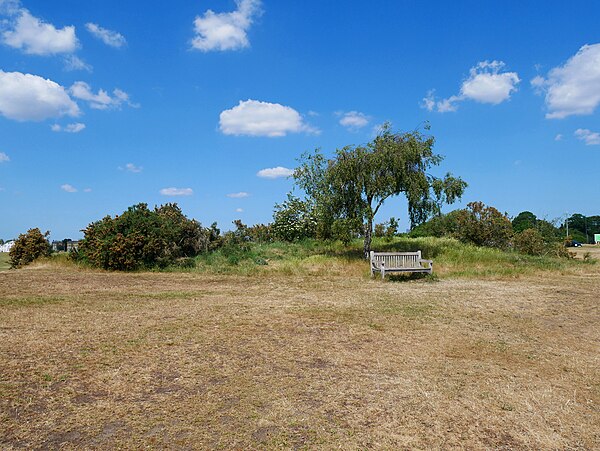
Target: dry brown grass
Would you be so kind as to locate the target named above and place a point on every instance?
(187, 361)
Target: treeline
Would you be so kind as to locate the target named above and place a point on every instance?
(486, 226)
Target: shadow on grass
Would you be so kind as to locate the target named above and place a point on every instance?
(410, 277)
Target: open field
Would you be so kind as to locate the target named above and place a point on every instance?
(92, 359)
(592, 249)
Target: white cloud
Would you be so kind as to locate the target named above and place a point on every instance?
(70, 128)
(26, 97)
(68, 188)
(558, 137)
(574, 88)
(176, 191)
(275, 173)
(239, 195)
(36, 37)
(109, 37)
(87, 190)
(102, 100)
(589, 137)
(353, 120)
(486, 84)
(4, 158)
(225, 31)
(73, 62)
(239, 210)
(130, 167)
(257, 118)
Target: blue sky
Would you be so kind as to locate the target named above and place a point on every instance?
(210, 103)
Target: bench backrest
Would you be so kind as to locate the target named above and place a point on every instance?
(392, 260)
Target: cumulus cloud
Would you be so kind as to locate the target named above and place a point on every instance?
(34, 36)
(487, 83)
(101, 100)
(4, 158)
(26, 97)
(353, 120)
(240, 195)
(255, 118)
(225, 31)
(558, 137)
(130, 167)
(239, 210)
(176, 191)
(589, 137)
(573, 88)
(275, 173)
(109, 37)
(70, 128)
(68, 188)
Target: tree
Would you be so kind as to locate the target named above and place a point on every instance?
(356, 183)
(28, 247)
(523, 221)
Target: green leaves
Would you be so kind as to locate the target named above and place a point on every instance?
(143, 238)
(359, 179)
(29, 246)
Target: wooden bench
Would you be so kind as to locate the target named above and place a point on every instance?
(386, 262)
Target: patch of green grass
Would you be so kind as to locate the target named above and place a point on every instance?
(30, 301)
(4, 261)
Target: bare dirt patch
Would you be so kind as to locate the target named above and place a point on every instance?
(104, 360)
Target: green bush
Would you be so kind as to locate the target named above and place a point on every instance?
(530, 242)
(294, 220)
(484, 226)
(28, 247)
(144, 238)
(438, 226)
(345, 230)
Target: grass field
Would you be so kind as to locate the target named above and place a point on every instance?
(312, 354)
(4, 264)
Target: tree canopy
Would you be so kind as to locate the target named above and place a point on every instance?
(352, 186)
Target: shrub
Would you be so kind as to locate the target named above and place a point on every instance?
(530, 242)
(439, 226)
(144, 238)
(484, 226)
(345, 230)
(29, 246)
(388, 229)
(294, 220)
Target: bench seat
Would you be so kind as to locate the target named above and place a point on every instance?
(388, 262)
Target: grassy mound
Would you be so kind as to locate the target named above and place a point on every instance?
(451, 258)
(311, 257)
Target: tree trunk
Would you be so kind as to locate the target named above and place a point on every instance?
(368, 229)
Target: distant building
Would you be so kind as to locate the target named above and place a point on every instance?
(66, 245)
(7, 246)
